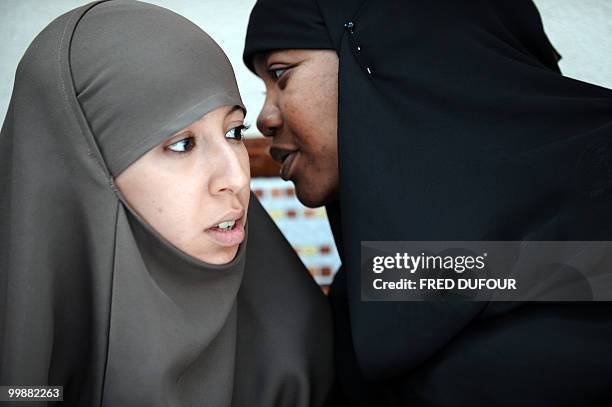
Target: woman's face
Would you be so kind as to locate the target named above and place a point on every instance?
(300, 113)
(194, 187)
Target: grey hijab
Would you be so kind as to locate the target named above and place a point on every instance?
(94, 299)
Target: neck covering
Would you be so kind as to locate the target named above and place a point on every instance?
(92, 298)
(275, 25)
(454, 123)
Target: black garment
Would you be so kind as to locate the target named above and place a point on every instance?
(274, 26)
(454, 123)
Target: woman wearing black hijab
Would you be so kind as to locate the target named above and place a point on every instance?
(125, 272)
(453, 123)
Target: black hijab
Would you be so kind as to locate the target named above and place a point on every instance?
(275, 25)
(454, 123)
(92, 297)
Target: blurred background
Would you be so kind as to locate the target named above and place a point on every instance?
(581, 30)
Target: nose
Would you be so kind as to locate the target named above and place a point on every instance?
(269, 119)
(231, 174)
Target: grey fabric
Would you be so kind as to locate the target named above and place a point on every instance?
(91, 297)
(142, 73)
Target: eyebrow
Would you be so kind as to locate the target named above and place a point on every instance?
(236, 107)
(268, 54)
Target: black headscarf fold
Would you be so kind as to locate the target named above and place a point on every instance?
(275, 25)
(454, 123)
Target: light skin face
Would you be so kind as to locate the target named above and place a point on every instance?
(300, 114)
(193, 181)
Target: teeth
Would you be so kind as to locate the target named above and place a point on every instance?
(226, 225)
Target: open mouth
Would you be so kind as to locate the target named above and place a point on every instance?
(226, 226)
(228, 233)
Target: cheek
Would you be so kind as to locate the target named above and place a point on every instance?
(243, 157)
(317, 141)
(311, 113)
(168, 201)
(177, 206)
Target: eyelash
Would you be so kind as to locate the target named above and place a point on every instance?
(274, 71)
(191, 140)
(191, 143)
(240, 129)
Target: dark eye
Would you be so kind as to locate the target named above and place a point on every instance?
(182, 146)
(236, 133)
(277, 73)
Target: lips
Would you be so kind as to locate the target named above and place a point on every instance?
(230, 236)
(286, 156)
(280, 153)
(234, 215)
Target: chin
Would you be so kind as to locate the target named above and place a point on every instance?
(312, 198)
(223, 257)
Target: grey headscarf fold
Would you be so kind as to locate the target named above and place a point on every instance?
(142, 73)
(94, 299)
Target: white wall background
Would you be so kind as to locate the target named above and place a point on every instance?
(581, 30)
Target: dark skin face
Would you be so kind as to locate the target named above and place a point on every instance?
(300, 114)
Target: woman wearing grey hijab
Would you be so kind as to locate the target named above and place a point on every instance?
(125, 272)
